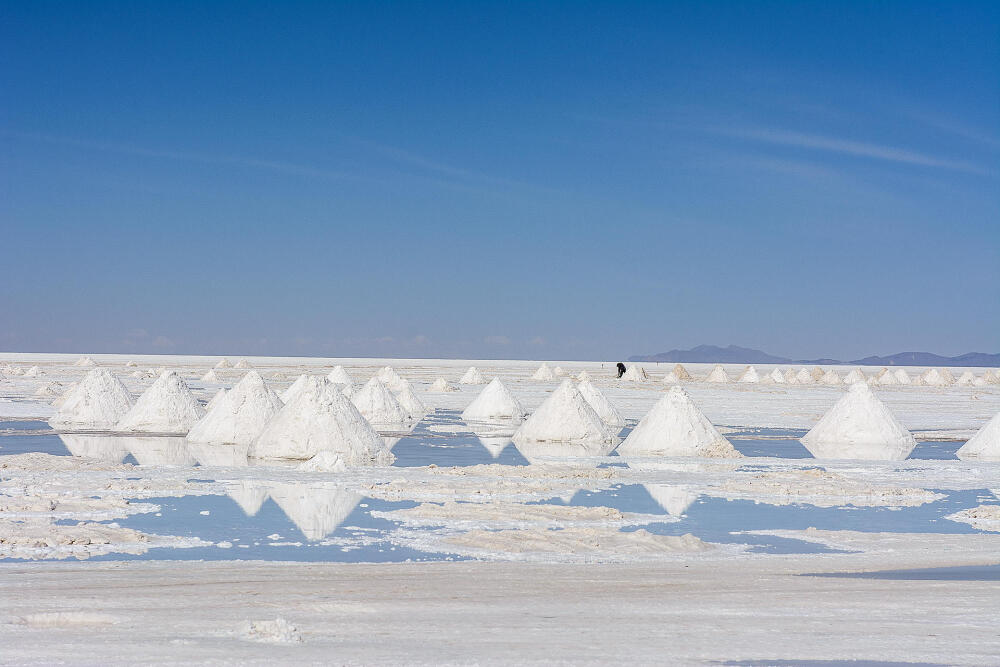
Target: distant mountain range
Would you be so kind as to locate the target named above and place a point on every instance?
(734, 354)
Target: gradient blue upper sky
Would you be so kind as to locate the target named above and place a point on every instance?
(541, 180)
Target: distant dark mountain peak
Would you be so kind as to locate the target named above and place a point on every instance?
(734, 354)
(731, 354)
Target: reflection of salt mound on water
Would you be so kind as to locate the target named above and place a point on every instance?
(749, 376)
(224, 363)
(718, 375)
(240, 415)
(636, 373)
(966, 379)
(859, 426)
(494, 444)
(248, 494)
(544, 374)
(168, 406)
(340, 376)
(242, 364)
(565, 416)
(985, 443)
(109, 449)
(494, 402)
(535, 451)
(676, 427)
(830, 377)
(681, 372)
(410, 402)
(331, 462)
(84, 361)
(854, 376)
(440, 386)
(673, 498)
(97, 402)
(210, 377)
(321, 418)
(316, 510)
(934, 378)
(219, 455)
(160, 451)
(378, 405)
(472, 376)
(601, 405)
(804, 377)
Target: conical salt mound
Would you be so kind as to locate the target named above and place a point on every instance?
(210, 377)
(636, 373)
(854, 376)
(294, 389)
(168, 406)
(934, 378)
(791, 377)
(248, 494)
(671, 378)
(408, 399)
(214, 400)
(966, 379)
(948, 377)
(320, 418)
(565, 416)
(676, 427)
(902, 377)
(378, 405)
(886, 379)
(985, 443)
(495, 402)
(804, 377)
(97, 402)
(816, 373)
(242, 363)
(224, 363)
(388, 376)
(980, 381)
(681, 372)
(584, 376)
(131, 364)
(718, 374)
(340, 376)
(316, 511)
(440, 386)
(674, 499)
(240, 415)
(544, 374)
(830, 377)
(750, 376)
(992, 376)
(84, 361)
(859, 426)
(776, 377)
(33, 372)
(472, 376)
(601, 405)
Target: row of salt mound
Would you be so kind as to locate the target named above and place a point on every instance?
(472, 376)
(239, 415)
(494, 402)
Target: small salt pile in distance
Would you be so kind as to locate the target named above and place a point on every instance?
(791, 377)
(681, 373)
(985, 444)
(377, 404)
(584, 376)
(774, 377)
(84, 361)
(168, 406)
(97, 402)
(886, 378)
(718, 375)
(816, 373)
(854, 376)
(242, 364)
(210, 377)
(224, 363)
(966, 379)
(671, 378)
(33, 372)
(240, 414)
(340, 376)
(389, 377)
(676, 427)
(859, 426)
(560, 371)
(408, 399)
(494, 403)
(804, 377)
(934, 378)
(319, 418)
(440, 386)
(472, 376)
(544, 374)
(831, 378)
(749, 376)
(635, 373)
(602, 406)
(564, 417)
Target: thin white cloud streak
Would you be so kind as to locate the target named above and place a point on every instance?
(854, 148)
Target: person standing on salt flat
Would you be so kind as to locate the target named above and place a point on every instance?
(676, 427)
(621, 370)
(859, 426)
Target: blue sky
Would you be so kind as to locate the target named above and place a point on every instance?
(534, 180)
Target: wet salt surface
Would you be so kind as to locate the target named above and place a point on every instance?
(959, 573)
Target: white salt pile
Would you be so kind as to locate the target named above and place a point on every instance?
(210, 377)
(681, 372)
(676, 427)
(50, 390)
(495, 402)
(856, 375)
(791, 377)
(389, 377)
(377, 404)
(671, 378)
(544, 374)
(934, 378)
(97, 402)
(718, 375)
(584, 376)
(948, 377)
(440, 386)
(804, 377)
(830, 377)
(750, 376)
(140, 375)
(985, 443)
(636, 373)
(168, 406)
(980, 381)
(776, 377)
(240, 415)
(14, 370)
(242, 363)
(224, 363)
(816, 373)
(565, 416)
(294, 389)
(414, 407)
(967, 379)
(559, 371)
(992, 376)
(340, 376)
(472, 376)
(84, 361)
(214, 400)
(601, 405)
(859, 426)
(33, 372)
(886, 378)
(320, 418)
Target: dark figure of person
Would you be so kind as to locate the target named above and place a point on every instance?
(621, 369)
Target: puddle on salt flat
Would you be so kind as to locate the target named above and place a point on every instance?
(277, 521)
